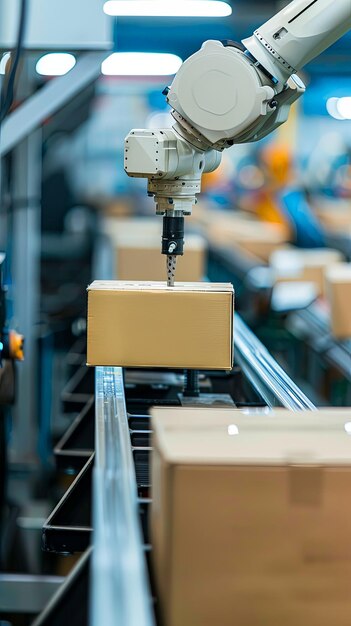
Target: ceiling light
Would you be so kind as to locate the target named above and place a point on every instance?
(168, 8)
(332, 108)
(141, 64)
(3, 62)
(344, 108)
(55, 64)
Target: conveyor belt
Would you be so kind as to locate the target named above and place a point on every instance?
(120, 589)
(121, 593)
(312, 326)
(272, 382)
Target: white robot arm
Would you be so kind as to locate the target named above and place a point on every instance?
(226, 94)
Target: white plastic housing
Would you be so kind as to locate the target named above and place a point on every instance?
(299, 33)
(173, 167)
(164, 154)
(219, 91)
(156, 153)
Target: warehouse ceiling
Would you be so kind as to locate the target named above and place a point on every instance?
(184, 36)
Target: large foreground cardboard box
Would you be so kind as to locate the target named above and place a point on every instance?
(338, 288)
(137, 251)
(251, 517)
(304, 265)
(139, 324)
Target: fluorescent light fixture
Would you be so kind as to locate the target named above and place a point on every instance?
(332, 108)
(3, 62)
(140, 64)
(344, 108)
(167, 8)
(55, 64)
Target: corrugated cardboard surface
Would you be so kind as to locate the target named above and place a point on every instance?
(338, 288)
(248, 542)
(138, 324)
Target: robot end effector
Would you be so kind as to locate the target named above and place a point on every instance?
(174, 169)
(227, 94)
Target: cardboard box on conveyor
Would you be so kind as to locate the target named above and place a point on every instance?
(334, 215)
(251, 517)
(338, 291)
(137, 251)
(307, 265)
(256, 238)
(147, 324)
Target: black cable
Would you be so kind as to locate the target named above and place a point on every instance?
(7, 100)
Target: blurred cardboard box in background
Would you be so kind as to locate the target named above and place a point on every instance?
(338, 291)
(334, 215)
(137, 251)
(253, 236)
(299, 264)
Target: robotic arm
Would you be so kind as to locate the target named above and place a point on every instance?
(226, 94)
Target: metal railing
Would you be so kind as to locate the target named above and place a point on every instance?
(264, 373)
(120, 594)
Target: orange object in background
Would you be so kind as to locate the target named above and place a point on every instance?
(16, 346)
(276, 162)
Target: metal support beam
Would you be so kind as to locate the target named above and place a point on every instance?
(45, 102)
(22, 593)
(25, 263)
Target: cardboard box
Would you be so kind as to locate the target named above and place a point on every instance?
(304, 265)
(117, 209)
(147, 324)
(137, 251)
(251, 517)
(338, 288)
(204, 215)
(256, 238)
(334, 215)
(128, 229)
